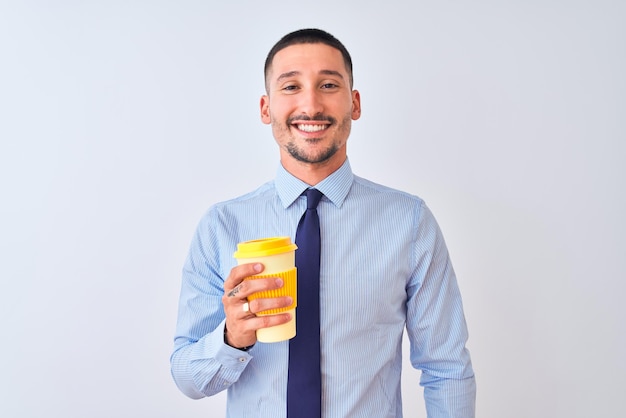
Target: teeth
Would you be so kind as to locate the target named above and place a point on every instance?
(311, 128)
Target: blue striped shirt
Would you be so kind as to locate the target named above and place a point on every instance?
(384, 268)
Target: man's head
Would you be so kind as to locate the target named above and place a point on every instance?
(308, 36)
(310, 102)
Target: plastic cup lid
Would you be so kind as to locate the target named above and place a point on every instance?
(264, 247)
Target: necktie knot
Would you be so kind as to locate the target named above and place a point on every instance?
(313, 197)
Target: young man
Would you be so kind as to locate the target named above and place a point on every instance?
(383, 268)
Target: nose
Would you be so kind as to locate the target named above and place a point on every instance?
(311, 103)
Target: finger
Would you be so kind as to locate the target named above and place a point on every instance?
(264, 304)
(235, 291)
(266, 321)
(242, 329)
(238, 273)
(243, 333)
(248, 287)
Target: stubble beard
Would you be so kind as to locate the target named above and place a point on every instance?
(320, 157)
(299, 154)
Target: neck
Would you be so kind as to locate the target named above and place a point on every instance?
(312, 173)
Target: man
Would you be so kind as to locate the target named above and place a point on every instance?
(383, 267)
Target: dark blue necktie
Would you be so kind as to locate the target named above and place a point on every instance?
(304, 388)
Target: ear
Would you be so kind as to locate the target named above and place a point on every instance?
(356, 105)
(265, 110)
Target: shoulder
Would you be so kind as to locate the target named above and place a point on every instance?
(242, 205)
(372, 190)
(400, 208)
(267, 190)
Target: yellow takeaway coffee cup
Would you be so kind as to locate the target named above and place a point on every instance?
(278, 256)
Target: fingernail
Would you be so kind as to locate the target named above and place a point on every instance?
(279, 282)
(258, 267)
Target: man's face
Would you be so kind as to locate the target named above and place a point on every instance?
(310, 104)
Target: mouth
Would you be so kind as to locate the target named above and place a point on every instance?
(311, 125)
(311, 128)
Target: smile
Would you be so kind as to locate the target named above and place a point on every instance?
(311, 128)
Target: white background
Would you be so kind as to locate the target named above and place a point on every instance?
(122, 121)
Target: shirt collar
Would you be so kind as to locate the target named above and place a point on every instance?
(335, 187)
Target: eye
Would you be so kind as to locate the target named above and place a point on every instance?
(327, 86)
(290, 88)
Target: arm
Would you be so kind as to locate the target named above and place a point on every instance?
(201, 364)
(436, 327)
(211, 322)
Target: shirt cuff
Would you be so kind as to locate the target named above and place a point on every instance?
(231, 358)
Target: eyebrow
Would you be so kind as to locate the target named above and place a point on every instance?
(296, 73)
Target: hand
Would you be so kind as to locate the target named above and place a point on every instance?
(241, 326)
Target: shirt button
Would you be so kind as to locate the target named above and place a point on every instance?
(242, 359)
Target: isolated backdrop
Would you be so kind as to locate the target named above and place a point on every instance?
(121, 122)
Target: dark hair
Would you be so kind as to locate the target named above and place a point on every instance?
(309, 36)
